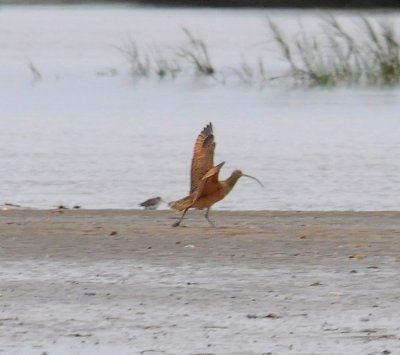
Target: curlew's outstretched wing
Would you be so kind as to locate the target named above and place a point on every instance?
(209, 184)
(203, 156)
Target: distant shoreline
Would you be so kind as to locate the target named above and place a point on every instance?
(302, 4)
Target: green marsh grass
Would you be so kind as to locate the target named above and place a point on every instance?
(191, 56)
(367, 56)
(195, 52)
(36, 74)
(139, 61)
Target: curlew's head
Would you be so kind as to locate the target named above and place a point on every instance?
(237, 174)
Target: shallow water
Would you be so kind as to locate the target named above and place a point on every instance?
(79, 136)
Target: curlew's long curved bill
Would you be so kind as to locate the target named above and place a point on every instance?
(252, 177)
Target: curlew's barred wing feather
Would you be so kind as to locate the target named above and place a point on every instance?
(209, 184)
(203, 156)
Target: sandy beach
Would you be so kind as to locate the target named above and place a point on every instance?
(126, 282)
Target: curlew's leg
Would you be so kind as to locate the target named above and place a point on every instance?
(177, 223)
(208, 219)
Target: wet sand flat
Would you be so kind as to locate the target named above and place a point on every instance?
(126, 282)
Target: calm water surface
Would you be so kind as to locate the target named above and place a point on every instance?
(78, 136)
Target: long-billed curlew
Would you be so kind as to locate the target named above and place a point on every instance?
(205, 188)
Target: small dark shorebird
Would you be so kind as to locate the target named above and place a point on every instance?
(151, 203)
(205, 186)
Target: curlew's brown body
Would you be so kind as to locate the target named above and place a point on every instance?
(205, 187)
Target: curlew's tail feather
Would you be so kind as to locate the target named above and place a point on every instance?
(182, 204)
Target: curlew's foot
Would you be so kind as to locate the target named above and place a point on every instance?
(212, 224)
(176, 224)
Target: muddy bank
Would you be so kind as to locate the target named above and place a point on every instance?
(262, 282)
